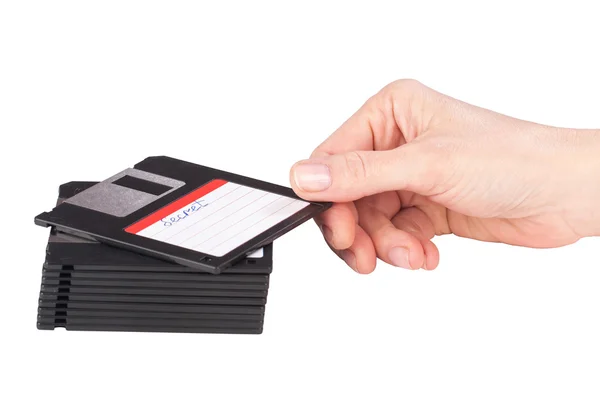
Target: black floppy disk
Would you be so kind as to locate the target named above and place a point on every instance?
(182, 212)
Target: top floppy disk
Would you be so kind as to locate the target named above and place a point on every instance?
(181, 212)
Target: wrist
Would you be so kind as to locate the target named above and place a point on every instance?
(595, 200)
(584, 176)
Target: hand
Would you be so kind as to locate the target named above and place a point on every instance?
(413, 163)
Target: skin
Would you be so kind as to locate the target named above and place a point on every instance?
(413, 163)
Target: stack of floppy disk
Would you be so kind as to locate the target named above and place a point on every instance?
(91, 286)
(165, 246)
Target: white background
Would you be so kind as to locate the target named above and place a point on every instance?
(89, 88)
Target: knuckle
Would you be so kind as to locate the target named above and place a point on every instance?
(411, 226)
(405, 85)
(406, 100)
(382, 236)
(391, 91)
(356, 167)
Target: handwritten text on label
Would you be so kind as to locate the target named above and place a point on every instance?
(183, 214)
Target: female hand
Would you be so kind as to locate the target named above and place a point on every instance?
(413, 163)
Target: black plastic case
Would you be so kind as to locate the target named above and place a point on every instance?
(90, 286)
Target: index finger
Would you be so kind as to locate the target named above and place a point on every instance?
(355, 133)
(379, 124)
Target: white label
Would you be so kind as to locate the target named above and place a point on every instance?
(217, 218)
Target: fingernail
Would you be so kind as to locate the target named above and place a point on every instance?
(327, 233)
(399, 257)
(349, 258)
(312, 177)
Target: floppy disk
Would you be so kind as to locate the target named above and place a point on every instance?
(182, 212)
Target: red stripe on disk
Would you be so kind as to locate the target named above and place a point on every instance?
(174, 206)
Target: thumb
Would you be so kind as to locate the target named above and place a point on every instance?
(356, 174)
